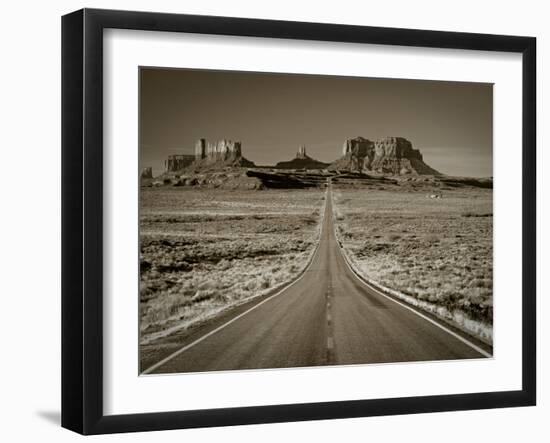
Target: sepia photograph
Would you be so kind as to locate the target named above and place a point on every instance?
(295, 220)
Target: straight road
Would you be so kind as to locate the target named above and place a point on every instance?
(329, 316)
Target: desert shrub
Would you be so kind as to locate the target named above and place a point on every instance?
(202, 295)
(250, 285)
(207, 285)
(144, 265)
(379, 247)
(224, 264)
(432, 238)
(473, 214)
(476, 283)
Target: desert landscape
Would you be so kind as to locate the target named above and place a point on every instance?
(217, 232)
(203, 251)
(312, 220)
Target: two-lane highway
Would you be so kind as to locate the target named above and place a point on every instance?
(328, 316)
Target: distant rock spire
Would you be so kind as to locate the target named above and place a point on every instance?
(301, 161)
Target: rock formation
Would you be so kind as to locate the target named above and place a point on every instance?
(222, 153)
(301, 154)
(395, 155)
(388, 155)
(147, 172)
(354, 152)
(302, 161)
(177, 162)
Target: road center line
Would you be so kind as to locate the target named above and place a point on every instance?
(330, 333)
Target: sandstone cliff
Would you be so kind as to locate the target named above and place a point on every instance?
(223, 153)
(387, 155)
(395, 155)
(147, 172)
(301, 161)
(354, 151)
(177, 162)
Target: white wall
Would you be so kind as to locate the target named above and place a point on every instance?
(30, 217)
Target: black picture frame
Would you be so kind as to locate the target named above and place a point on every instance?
(82, 219)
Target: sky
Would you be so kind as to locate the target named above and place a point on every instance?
(273, 114)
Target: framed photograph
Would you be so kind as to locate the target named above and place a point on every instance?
(269, 221)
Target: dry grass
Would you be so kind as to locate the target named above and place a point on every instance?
(205, 250)
(436, 250)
